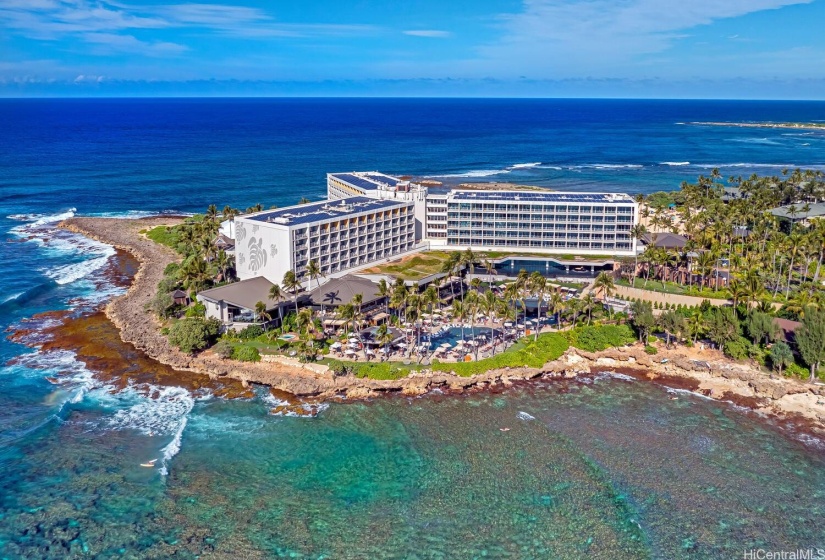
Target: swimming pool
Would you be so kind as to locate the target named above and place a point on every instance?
(454, 335)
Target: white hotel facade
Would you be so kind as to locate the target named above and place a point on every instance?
(371, 216)
(338, 235)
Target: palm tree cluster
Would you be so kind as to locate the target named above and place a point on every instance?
(735, 243)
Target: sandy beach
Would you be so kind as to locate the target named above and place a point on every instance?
(706, 372)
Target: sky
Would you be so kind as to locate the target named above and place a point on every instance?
(763, 49)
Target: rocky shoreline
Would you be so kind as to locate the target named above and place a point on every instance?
(713, 376)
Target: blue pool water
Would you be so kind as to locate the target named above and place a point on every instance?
(548, 268)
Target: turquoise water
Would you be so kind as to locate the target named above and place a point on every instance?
(605, 468)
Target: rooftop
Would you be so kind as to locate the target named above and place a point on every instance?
(245, 293)
(665, 239)
(564, 197)
(325, 210)
(339, 291)
(816, 210)
(367, 180)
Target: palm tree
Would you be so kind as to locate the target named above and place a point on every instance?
(261, 313)
(737, 291)
(705, 263)
(587, 306)
(223, 261)
(357, 302)
(538, 285)
(276, 294)
(384, 290)
(212, 213)
(347, 313)
(292, 285)
(795, 242)
(604, 284)
(384, 337)
(490, 304)
(195, 273)
(555, 307)
(314, 272)
(636, 233)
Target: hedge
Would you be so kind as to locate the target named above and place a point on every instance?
(596, 338)
(371, 370)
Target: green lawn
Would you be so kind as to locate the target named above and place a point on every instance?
(165, 235)
(674, 288)
(414, 268)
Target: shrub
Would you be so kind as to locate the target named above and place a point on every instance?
(251, 332)
(651, 350)
(223, 348)
(596, 338)
(533, 353)
(796, 370)
(246, 354)
(738, 349)
(167, 284)
(191, 334)
(162, 305)
(171, 269)
(197, 310)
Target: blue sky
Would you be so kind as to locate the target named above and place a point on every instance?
(568, 48)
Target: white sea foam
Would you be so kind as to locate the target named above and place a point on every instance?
(610, 166)
(273, 402)
(473, 173)
(621, 376)
(524, 416)
(675, 163)
(172, 449)
(152, 411)
(73, 272)
(554, 167)
(12, 297)
(42, 219)
(687, 392)
(525, 165)
(138, 214)
(763, 141)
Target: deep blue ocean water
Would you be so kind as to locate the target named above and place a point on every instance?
(610, 468)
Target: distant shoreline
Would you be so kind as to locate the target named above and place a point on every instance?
(790, 125)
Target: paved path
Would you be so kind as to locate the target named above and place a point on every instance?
(626, 292)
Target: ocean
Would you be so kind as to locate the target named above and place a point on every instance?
(603, 467)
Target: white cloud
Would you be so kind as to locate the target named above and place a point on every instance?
(118, 43)
(435, 33)
(566, 38)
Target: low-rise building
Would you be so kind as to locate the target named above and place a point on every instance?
(234, 304)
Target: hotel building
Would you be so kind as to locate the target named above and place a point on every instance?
(516, 220)
(338, 235)
(374, 184)
(546, 222)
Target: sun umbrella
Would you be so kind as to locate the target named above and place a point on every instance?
(353, 339)
(382, 350)
(508, 324)
(446, 345)
(335, 345)
(402, 344)
(369, 352)
(349, 351)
